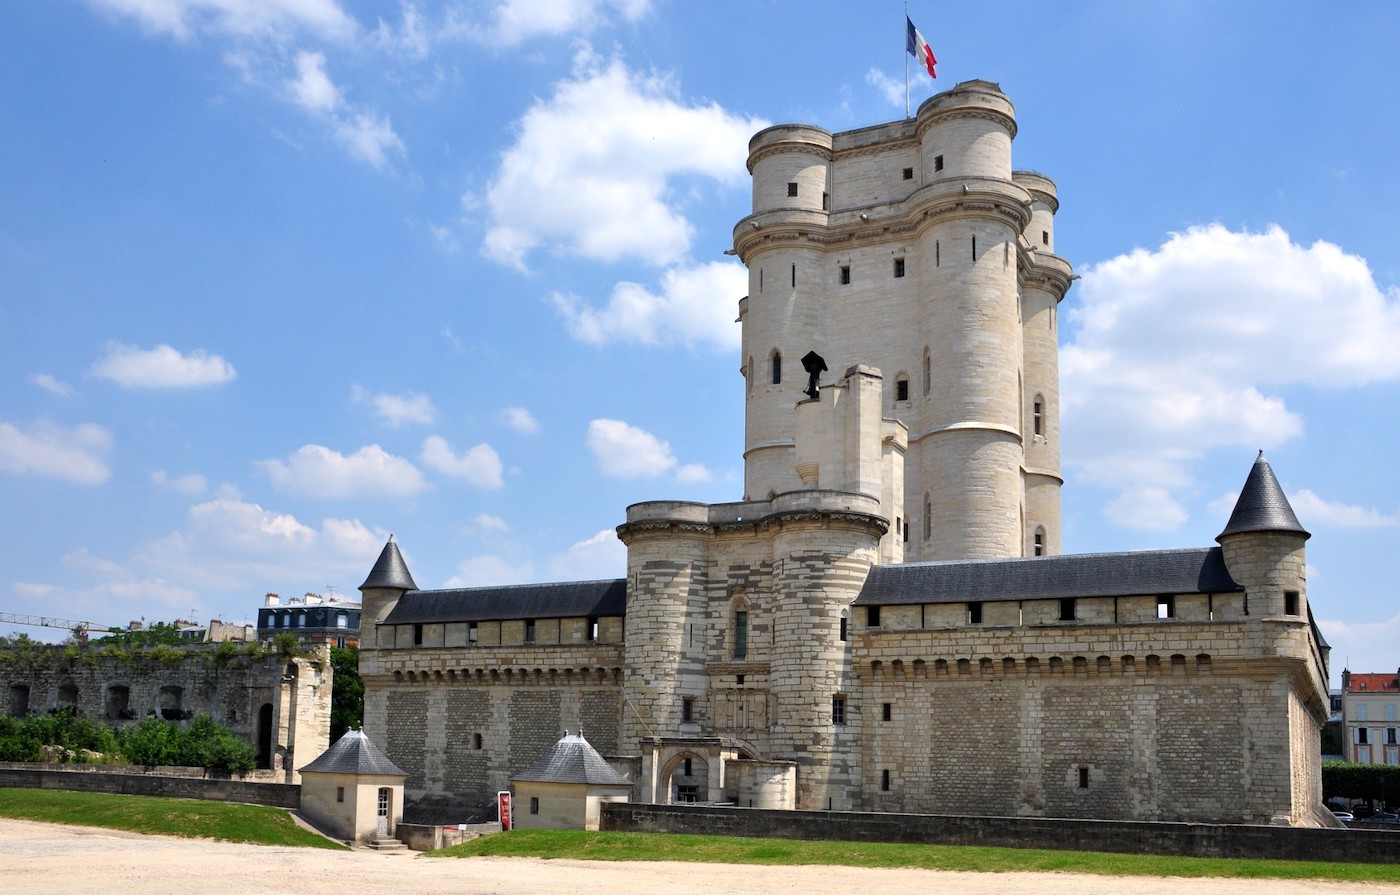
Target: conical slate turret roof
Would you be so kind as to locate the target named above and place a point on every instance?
(354, 754)
(1262, 505)
(572, 760)
(390, 570)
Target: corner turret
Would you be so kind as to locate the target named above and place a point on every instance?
(1263, 545)
(1262, 506)
(387, 581)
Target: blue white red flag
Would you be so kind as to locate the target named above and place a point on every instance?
(919, 48)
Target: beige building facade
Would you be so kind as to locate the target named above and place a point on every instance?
(883, 622)
(1371, 717)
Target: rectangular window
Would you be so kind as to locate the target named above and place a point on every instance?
(688, 710)
(1067, 609)
(592, 630)
(534, 805)
(417, 635)
(1045, 237)
(1166, 606)
(340, 793)
(689, 768)
(872, 616)
(741, 635)
(826, 201)
(938, 163)
(908, 173)
(1290, 602)
(1363, 734)
(901, 390)
(529, 630)
(974, 613)
(1390, 712)
(1361, 711)
(886, 711)
(794, 276)
(898, 267)
(471, 632)
(1390, 739)
(792, 190)
(885, 780)
(843, 629)
(845, 275)
(690, 793)
(1083, 778)
(838, 710)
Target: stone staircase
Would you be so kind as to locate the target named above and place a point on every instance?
(387, 844)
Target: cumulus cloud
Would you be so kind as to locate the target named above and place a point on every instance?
(161, 367)
(77, 454)
(368, 135)
(593, 170)
(515, 21)
(628, 452)
(489, 569)
(397, 410)
(520, 419)
(318, 471)
(1187, 348)
(278, 20)
(50, 384)
(190, 484)
(600, 556)
(696, 305)
(479, 465)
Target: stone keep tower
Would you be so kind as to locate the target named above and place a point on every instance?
(914, 248)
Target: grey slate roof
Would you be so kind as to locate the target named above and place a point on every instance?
(354, 754)
(1262, 505)
(1192, 571)
(562, 599)
(572, 760)
(390, 570)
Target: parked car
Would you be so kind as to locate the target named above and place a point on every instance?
(1343, 815)
(1385, 817)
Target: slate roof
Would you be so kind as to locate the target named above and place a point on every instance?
(1262, 505)
(1193, 571)
(390, 570)
(562, 599)
(354, 754)
(572, 760)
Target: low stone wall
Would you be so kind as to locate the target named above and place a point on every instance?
(429, 837)
(179, 783)
(1128, 837)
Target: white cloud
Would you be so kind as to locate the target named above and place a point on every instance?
(479, 465)
(1184, 349)
(367, 135)
(697, 305)
(691, 473)
(321, 472)
(487, 522)
(1147, 508)
(628, 452)
(516, 21)
(892, 89)
(161, 367)
(273, 19)
(601, 556)
(486, 570)
(1367, 646)
(593, 169)
(520, 419)
(1314, 510)
(190, 484)
(312, 89)
(50, 384)
(396, 410)
(42, 448)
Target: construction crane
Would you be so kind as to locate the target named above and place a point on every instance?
(79, 629)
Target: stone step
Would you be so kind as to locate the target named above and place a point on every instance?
(387, 844)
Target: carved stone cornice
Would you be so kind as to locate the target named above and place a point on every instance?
(956, 112)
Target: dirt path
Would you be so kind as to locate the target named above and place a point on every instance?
(45, 859)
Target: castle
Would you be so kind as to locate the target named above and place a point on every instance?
(884, 621)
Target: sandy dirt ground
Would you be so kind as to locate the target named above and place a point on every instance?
(45, 858)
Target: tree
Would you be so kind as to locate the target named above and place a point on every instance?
(347, 691)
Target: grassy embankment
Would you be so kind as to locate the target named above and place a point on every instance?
(190, 818)
(727, 850)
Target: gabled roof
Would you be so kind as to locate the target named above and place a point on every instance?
(562, 599)
(572, 760)
(390, 570)
(1262, 505)
(354, 754)
(1194, 571)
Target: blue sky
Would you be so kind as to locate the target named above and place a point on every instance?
(279, 278)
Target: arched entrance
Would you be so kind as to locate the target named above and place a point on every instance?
(688, 780)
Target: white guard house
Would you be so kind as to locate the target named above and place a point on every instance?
(354, 791)
(566, 787)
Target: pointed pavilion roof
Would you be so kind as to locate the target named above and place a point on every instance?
(1262, 505)
(572, 760)
(353, 753)
(390, 570)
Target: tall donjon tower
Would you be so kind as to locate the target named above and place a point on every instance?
(914, 248)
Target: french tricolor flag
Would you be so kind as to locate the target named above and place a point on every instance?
(918, 47)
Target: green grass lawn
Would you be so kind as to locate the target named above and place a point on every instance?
(728, 850)
(190, 818)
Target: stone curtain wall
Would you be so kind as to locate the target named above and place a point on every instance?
(176, 783)
(407, 735)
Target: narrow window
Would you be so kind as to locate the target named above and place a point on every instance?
(417, 635)
(340, 793)
(885, 780)
(937, 253)
(1039, 545)
(898, 267)
(1045, 237)
(928, 518)
(872, 616)
(760, 280)
(901, 389)
(845, 275)
(908, 173)
(741, 634)
(529, 630)
(886, 711)
(1390, 734)
(826, 201)
(688, 712)
(838, 710)
(842, 635)
(476, 741)
(974, 247)
(1166, 606)
(1038, 415)
(1290, 602)
(792, 190)
(534, 805)
(1083, 778)
(906, 531)
(592, 630)
(794, 276)
(1067, 609)
(928, 373)
(777, 368)
(471, 632)
(974, 613)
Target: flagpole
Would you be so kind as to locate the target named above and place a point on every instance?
(906, 60)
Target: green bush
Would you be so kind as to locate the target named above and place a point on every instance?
(347, 691)
(1373, 782)
(205, 743)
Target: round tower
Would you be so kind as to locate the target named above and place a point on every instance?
(1263, 545)
(386, 583)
